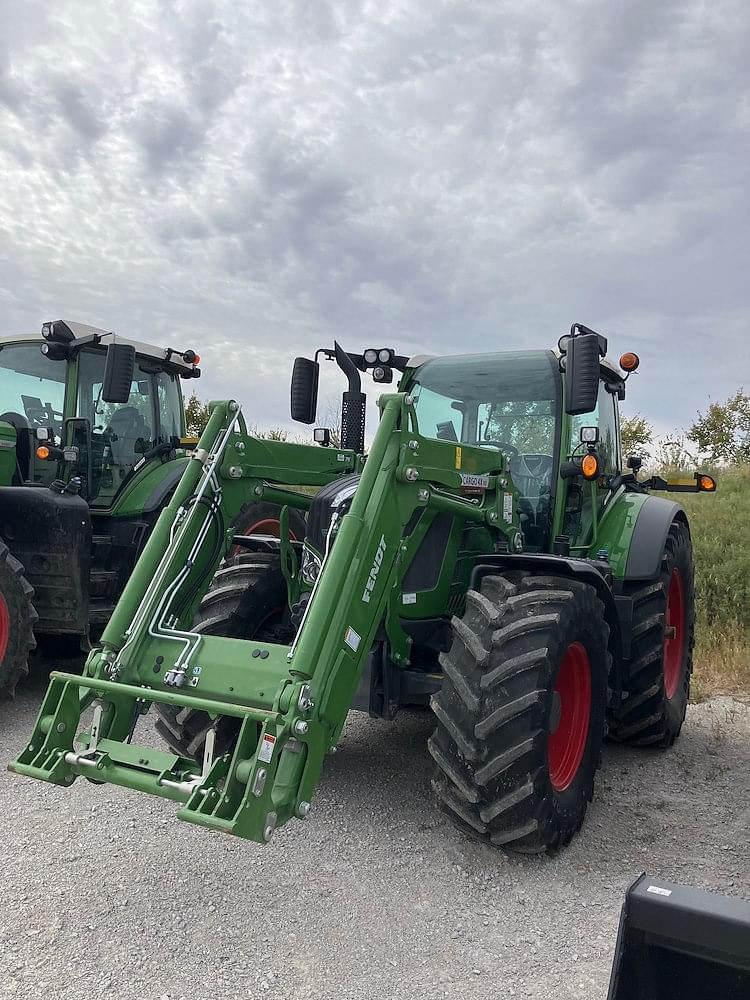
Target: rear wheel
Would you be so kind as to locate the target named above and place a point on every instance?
(17, 617)
(521, 710)
(656, 679)
(247, 599)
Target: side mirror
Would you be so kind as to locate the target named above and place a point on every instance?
(581, 373)
(118, 373)
(304, 394)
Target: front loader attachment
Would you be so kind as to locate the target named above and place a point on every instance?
(291, 701)
(679, 943)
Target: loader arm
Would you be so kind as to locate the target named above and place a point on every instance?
(291, 701)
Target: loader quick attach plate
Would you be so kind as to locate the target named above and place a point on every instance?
(212, 796)
(679, 943)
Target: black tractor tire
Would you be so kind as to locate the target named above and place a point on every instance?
(521, 711)
(247, 599)
(262, 518)
(656, 678)
(17, 617)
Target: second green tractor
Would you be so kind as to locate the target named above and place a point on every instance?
(492, 556)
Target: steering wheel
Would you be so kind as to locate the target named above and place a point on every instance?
(508, 449)
(537, 465)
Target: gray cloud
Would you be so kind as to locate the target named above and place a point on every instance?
(257, 179)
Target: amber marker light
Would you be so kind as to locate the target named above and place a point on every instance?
(629, 361)
(42, 452)
(707, 484)
(590, 466)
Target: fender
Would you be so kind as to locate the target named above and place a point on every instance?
(649, 537)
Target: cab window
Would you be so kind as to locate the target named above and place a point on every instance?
(121, 433)
(32, 389)
(581, 496)
(604, 416)
(170, 410)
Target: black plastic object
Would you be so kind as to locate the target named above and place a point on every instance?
(581, 373)
(304, 390)
(50, 535)
(679, 943)
(118, 373)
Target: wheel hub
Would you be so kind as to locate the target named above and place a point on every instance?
(674, 634)
(569, 717)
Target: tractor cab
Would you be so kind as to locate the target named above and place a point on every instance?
(91, 446)
(66, 423)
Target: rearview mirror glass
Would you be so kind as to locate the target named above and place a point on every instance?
(581, 374)
(118, 373)
(304, 394)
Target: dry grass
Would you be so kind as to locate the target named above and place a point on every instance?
(722, 663)
(720, 526)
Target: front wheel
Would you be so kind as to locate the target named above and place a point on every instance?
(520, 715)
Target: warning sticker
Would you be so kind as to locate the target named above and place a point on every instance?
(658, 891)
(507, 507)
(266, 748)
(458, 457)
(408, 598)
(352, 639)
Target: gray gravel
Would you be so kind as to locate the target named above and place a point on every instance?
(376, 895)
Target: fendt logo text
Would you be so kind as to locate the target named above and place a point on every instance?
(372, 578)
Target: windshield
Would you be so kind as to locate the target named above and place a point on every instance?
(122, 433)
(509, 401)
(32, 396)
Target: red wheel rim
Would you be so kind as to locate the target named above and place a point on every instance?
(4, 627)
(268, 526)
(565, 746)
(674, 634)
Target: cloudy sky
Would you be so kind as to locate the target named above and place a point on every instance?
(255, 178)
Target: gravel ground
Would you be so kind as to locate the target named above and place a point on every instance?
(376, 895)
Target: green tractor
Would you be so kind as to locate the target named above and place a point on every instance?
(92, 445)
(491, 557)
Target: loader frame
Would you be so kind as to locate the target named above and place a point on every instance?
(293, 703)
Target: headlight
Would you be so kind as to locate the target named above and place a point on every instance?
(311, 566)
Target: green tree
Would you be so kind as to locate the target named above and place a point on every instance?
(723, 432)
(672, 454)
(636, 434)
(196, 416)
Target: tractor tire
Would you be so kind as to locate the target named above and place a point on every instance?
(656, 679)
(247, 599)
(521, 712)
(17, 617)
(263, 519)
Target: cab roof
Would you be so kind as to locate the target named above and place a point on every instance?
(107, 337)
(420, 359)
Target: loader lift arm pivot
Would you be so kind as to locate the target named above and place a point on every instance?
(291, 701)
